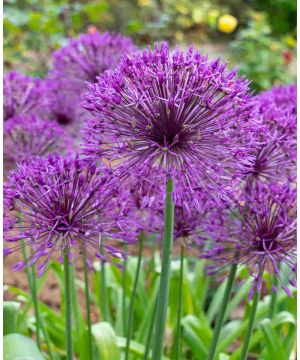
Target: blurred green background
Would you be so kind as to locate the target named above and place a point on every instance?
(258, 36)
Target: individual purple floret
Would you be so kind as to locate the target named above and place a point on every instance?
(21, 95)
(61, 203)
(84, 58)
(260, 232)
(174, 110)
(28, 135)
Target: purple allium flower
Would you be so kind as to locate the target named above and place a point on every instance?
(275, 159)
(280, 97)
(61, 203)
(259, 232)
(21, 94)
(174, 110)
(62, 103)
(28, 135)
(84, 58)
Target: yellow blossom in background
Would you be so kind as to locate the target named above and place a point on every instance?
(144, 3)
(290, 41)
(227, 23)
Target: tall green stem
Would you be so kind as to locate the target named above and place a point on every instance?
(87, 302)
(133, 296)
(36, 306)
(103, 293)
(178, 330)
(273, 299)
(164, 285)
(221, 314)
(124, 281)
(150, 330)
(68, 307)
(250, 326)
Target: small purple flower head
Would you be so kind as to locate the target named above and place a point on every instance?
(21, 94)
(61, 203)
(259, 232)
(28, 135)
(84, 58)
(173, 110)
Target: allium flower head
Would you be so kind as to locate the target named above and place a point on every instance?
(178, 111)
(61, 203)
(84, 58)
(276, 135)
(21, 94)
(28, 135)
(259, 232)
(283, 98)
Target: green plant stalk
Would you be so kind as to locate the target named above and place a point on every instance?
(245, 349)
(124, 281)
(221, 314)
(36, 306)
(87, 302)
(68, 305)
(149, 336)
(273, 301)
(164, 286)
(133, 296)
(103, 294)
(178, 327)
(75, 306)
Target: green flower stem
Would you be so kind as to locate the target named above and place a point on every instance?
(273, 299)
(133, 296)
(150, 331)
(164, 286)
(250, 326)
(75, 306)
(87, 302)
(68, 306)
(36, 306)
(221, 314)
(178, 328)
(104, 308)
(124, 282)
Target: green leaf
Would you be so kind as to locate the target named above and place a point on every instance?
(17, 346)
(273, 343)
(135, 349)
(106, 341)
(10, 316)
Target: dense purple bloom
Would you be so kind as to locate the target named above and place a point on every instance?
(62, 103)
(28, 135)
(274, 111)
(281, 97)
(174, 110)
(62, 203)
(259, 232)
(21, 94)
(84, 58)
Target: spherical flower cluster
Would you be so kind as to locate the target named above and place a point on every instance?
(277, 135)
(62, 104)
(174, 110)
(28, 135)
(259, 232)
(21, 94)
(84, 58)
(62, 204)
